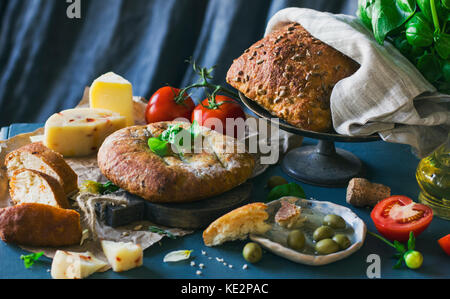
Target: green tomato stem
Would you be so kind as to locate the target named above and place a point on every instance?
(381, 238)
(435, 16)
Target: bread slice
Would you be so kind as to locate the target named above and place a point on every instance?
(38, 157)
(34, 224)
(289, 214)
(237, 224)
(31, 186)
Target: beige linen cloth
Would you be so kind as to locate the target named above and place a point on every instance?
(387, 95)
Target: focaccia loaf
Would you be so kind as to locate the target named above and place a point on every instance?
(291, 74)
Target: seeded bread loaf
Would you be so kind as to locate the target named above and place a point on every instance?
(34, 224)
(37, 156)
(291, 74)
(238, 224)
(31, 186)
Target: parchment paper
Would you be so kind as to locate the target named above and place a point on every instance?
(87, 169)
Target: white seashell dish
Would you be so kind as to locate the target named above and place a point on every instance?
(275, 239)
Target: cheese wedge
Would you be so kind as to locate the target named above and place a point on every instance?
(123, 256)
(74, 265)
(80, 132)
(111, 91)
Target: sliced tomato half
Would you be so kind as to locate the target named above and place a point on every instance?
(444, 242)
(396, 216)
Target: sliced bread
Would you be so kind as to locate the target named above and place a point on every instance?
(31, 186)
(38, 157)
(237, 224)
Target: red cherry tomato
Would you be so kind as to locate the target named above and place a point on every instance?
(444, 242)
(396, 216)
(214, 115)
(163, 107)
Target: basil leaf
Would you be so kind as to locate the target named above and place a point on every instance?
(158, 146)
(195, 129)
(108, 187)
(291, 189)
(407, 5)
(428, 65)
(364, 12)
(28, 260)
(446, 71)
(446, 4)
(425, 7)
(388, 15)
(419, 32)
(442, 45)
(411, 241)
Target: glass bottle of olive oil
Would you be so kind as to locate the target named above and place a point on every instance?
(433, 176)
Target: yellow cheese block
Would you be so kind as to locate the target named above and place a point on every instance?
(75, 265)
(112, 92)
(80, 132)
(123, 256)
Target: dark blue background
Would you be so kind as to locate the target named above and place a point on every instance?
(46, 59)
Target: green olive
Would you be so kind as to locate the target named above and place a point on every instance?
(296, 240)
(342, 240)
(252, 252)
(276, 181)
(323, 232)
(334, 221)
(327, 246)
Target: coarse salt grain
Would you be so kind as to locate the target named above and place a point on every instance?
(192, 263)
(198, 272)
(201, 266)
(245, 267)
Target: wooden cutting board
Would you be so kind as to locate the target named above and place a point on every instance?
(193, 215)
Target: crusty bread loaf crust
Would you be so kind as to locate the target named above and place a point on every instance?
(291, 74)
(28, 186)
(126, 160)
(237, 224)
(35, 224)
(37, 156)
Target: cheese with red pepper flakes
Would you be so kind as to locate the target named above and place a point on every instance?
(111, 91)
(74, 265)
(81, 132)
(123, 256)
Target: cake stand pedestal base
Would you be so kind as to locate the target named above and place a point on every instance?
(322, 165)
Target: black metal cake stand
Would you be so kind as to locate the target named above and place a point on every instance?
(321, 165)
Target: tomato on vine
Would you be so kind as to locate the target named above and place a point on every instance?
(166, 104)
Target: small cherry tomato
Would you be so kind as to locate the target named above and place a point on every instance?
(413, 259)
(444, 242)
(164, 106)
(396, 216)
(213, 114)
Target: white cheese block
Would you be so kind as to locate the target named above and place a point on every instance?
(123, 256)
(74, 265)
(111, 91)
(80, 132)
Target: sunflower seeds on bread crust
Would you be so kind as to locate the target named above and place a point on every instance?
(291, 74)
(127, 161)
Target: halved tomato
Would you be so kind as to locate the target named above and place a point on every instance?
(396, 216)
(444, 242)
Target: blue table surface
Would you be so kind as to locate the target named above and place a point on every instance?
(390, 164)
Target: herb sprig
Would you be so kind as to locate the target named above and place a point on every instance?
(160, 145)
(30, 259)
(157, 230)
